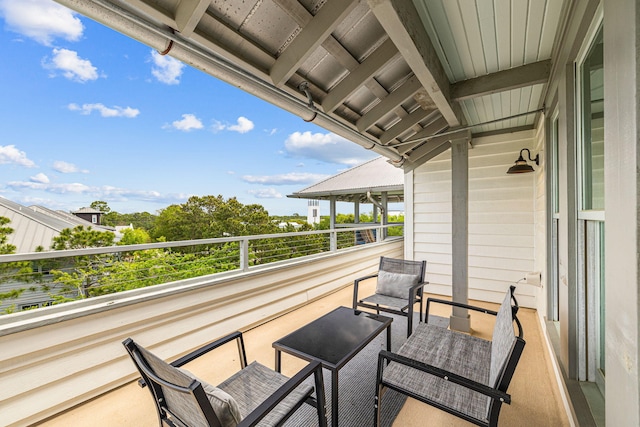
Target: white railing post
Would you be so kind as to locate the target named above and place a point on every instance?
(244, 254)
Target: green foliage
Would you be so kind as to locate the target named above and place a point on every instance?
(11, 268)
(134, 237)
(80, 237)
(101, 206)
(211, 217)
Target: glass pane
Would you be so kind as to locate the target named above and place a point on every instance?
(555, 188)
(601, 330)
(592, 76)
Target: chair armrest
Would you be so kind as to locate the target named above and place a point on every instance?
(355, 288)
(445, 375)
(212, 346)
(313, 368)
(360, 279)
(458, 304)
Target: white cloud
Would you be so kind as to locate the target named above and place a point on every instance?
(41, 20)
(64, 167)
(166, 69)
(243, 125)
(267, 193)
(285, 179)
(41, 178)
(326, 147)
(104, 111)
(105, 192)
(9, 154)
(71, 65)
(188, 123)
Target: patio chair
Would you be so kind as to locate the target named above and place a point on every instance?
(459, 373)
(255, 395)
(399, 286)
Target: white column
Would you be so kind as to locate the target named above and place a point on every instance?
(622, 230)
(460, 320)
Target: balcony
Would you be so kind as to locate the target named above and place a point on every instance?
(64, 365)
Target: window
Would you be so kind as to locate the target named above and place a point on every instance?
(592, 130)
(94, 219)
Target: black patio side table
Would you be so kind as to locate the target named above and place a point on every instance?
(334, 339)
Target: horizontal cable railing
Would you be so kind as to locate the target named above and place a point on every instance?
(37, 279)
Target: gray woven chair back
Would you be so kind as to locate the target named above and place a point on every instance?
(182, 405)
(403, 266)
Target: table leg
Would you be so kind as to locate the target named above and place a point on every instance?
(334, 398)
(278, 360)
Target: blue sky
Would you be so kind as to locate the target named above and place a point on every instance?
(90, 114)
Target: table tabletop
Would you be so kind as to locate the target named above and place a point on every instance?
(335, 337)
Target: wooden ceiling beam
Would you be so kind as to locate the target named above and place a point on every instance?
(366, 70)
(188, 15)
(319, 28)
(501, 81)
(401, 21)
(388, 104)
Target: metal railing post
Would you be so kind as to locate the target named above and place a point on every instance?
(244, 254)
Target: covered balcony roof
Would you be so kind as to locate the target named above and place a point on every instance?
(398, 77)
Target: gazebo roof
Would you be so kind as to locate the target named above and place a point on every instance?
(374, 177)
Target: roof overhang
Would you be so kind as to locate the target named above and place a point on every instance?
(385, 74)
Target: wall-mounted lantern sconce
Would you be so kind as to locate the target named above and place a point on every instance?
(521, 165)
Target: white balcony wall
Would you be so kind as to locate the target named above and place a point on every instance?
(502, 219)
(57, 357)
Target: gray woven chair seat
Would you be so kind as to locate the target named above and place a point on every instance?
(385, 300)
(254, 384)
(461, 354)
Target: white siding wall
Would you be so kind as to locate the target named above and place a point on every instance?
(502, 216)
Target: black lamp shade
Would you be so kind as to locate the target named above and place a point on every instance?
(521, 165)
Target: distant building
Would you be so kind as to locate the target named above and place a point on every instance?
(313, 212)
(36, 226)
(91, 215)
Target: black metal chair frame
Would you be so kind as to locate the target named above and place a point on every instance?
(196, 389)
(498, 395)
(415, 294)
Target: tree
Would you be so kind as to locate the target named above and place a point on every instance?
(101, 206)
(83, 271)
(12, 270)
(80, 237)
(210, 217)
(134, 236)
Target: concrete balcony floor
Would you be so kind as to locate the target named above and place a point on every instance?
(536, 399)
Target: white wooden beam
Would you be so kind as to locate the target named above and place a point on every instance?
(188, 15)
(527, 75)
(388, 104)
(321, 26)
(433, 143)
(405, 124)
(401, 21)
(431, 129)
(367, 69)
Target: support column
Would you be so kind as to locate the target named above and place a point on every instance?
(385, 213)
(622, 207)
(333, 244)
(460, 320)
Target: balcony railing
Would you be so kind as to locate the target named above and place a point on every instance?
(60, 356)
(34, 280)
